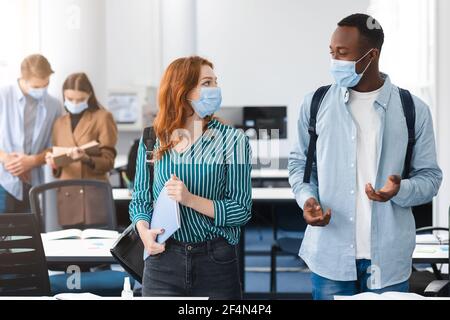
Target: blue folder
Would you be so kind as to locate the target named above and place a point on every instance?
(166, 215)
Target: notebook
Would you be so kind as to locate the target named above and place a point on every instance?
(78, 234)
(62, 159)
(166, 215)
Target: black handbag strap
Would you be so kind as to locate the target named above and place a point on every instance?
(149, 139)
(410, 114)
(315, 106)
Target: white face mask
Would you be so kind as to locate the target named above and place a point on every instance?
(344, 72)
(37, 94)
(76, 108)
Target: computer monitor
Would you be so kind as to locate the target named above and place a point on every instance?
(265, 119)
(124, 107)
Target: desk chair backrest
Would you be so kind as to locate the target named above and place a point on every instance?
(78, 204)
(23, 267)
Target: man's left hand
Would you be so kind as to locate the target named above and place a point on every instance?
(390, 189)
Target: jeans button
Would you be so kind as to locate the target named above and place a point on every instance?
(189, 248)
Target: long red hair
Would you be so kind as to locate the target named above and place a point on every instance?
(179, 79)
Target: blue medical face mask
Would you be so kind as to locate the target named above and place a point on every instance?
(37, 94)
(344, 72)
(76, 108)
(210, 101)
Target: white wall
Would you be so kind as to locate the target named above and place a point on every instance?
(270, 52)
(132, 43)
(442, 121)
(73, 39)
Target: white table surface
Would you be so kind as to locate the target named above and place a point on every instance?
(122, 160)
(269, 194)
(100, 248)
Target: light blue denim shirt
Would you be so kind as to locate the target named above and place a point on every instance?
(331, 251)
(12, 107)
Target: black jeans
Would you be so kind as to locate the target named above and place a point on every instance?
(207, 269)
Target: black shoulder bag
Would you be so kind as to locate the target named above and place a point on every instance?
(128, 250)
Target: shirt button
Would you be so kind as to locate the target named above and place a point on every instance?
(352, 165)
(352, 246)
(352, 192)
(353, 137)
(351, 219)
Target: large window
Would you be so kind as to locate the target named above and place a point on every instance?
(409, 51)
(19, 34)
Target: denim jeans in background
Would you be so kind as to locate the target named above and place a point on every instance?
(326, 289)
(2, 200)
(207, 269)
(9, 204)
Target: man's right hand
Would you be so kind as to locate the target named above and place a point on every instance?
(148, 237)
(313, 214)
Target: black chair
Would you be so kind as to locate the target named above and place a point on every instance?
(420, 279)
(44, 203)
(23, 267)
(285, 246)
(439, 288)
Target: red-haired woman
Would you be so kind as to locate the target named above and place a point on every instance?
(206, 167)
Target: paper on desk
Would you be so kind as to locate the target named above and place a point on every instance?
(77, 296)
(383, 296)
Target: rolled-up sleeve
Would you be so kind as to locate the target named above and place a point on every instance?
(235, 209)
(141, 206)
(297, 159)
(426, 176)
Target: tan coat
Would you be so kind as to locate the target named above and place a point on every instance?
(77, 206)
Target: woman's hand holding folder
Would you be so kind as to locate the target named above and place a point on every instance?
(148, 237)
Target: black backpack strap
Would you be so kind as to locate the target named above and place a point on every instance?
(410, 114)
(315, 106)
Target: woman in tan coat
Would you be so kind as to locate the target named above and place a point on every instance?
(85, 121)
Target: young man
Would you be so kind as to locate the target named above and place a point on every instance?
(361, 232)
(27, 117)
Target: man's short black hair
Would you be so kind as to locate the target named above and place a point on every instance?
(369, 28)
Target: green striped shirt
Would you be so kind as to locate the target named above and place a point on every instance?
(216, 167)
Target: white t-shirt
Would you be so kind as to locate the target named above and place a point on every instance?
(368, 123)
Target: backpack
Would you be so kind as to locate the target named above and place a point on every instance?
(408, 110)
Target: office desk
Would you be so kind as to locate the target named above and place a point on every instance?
(431, 253)
(258, 194)
(122, 161)
(82, 297)
(77, 251)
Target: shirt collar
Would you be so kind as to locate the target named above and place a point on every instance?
(384, 96)
(19, 93)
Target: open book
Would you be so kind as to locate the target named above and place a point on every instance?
(61, 158)
(78, 234)
(432, 238)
